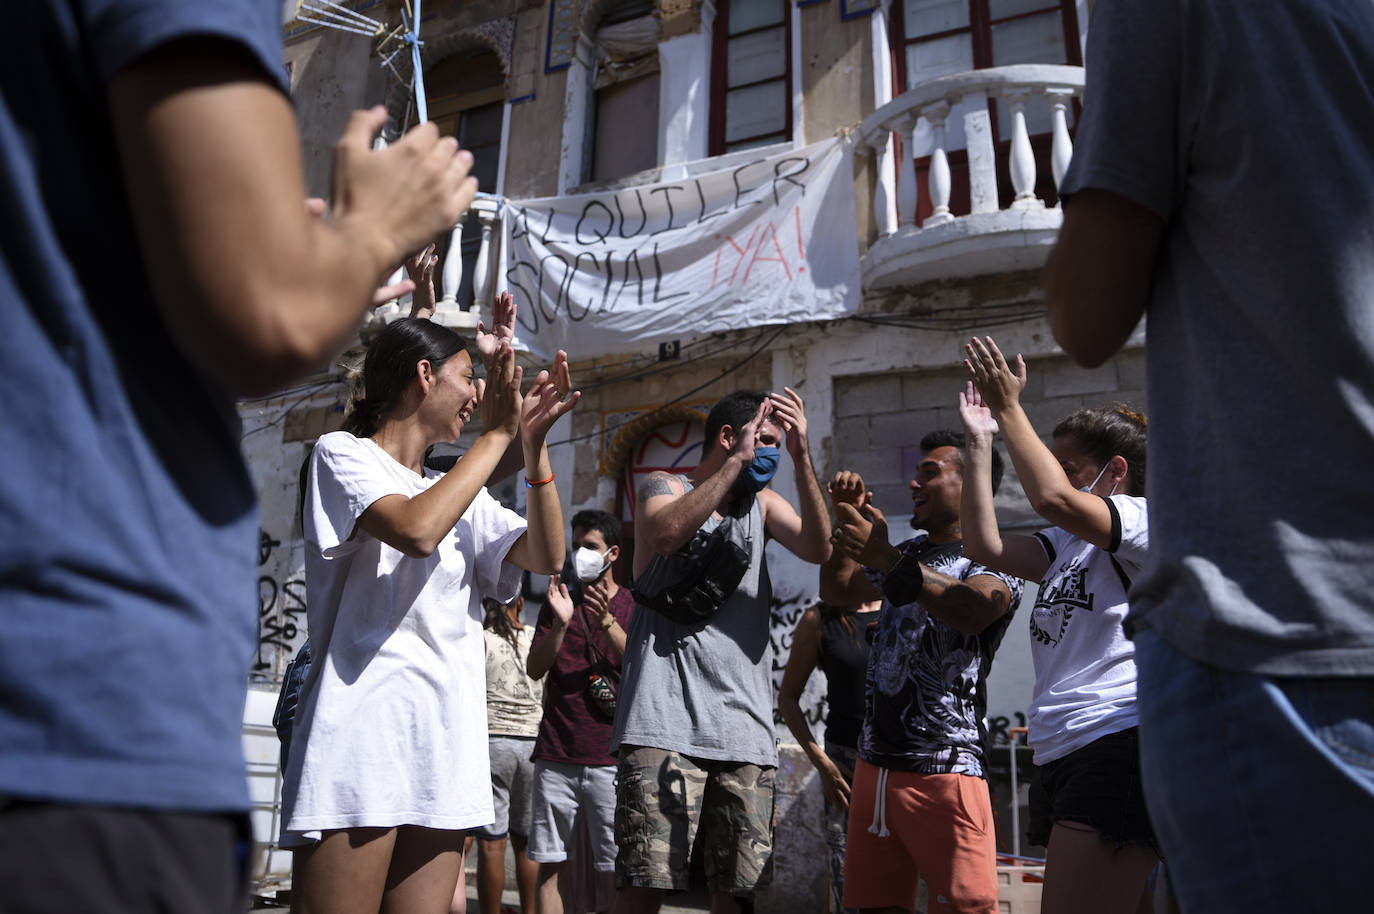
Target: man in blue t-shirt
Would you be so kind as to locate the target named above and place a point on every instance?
(1221, 176)
(158, 262)
(920, 805)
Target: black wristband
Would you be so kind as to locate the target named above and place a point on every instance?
(903, 583)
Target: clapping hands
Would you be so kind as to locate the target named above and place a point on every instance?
(979, 423)
(999, 384)
(548, 400)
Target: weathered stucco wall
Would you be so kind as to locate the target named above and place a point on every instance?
(536, 114)
(329, 80)
(836, 70)
(277, 435)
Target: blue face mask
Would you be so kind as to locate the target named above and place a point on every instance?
(762, 469)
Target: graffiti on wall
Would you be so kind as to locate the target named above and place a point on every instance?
(795, 586)
(281, 609)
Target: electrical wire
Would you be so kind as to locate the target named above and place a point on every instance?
(678, 399)
(310, 390)
(942, 320)
(956, 319)
(282, 394)
(654, 364)
(315, 389)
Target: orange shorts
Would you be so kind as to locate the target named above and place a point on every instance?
(939, 826)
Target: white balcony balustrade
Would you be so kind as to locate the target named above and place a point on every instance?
(448, 310)
(988, 238)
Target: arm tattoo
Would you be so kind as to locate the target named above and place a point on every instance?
(657, 484)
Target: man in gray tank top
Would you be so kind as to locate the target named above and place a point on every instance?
(694, 719)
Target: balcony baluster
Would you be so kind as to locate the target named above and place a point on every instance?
(1062, 150)
(447, 308)
(481, 270)
(1022, 156)
(939, 165)
(906, 180)
(884, 216)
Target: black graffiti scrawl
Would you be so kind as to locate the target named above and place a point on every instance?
(281, 611)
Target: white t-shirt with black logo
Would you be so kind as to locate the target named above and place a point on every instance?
(1084, 664)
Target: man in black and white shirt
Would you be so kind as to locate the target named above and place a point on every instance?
(942, 619)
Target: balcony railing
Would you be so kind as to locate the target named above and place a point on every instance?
(448, 310)
(989, 238)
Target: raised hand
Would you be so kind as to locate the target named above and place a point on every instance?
(318, 207)
(559, 600)
(499, 401)
(999, 384)
(383, 294)
(502, 327)
(596, 603)
(548, 400)
(847, 488)
(745, 436)
(420, 269)
(398, 198)
(790, 414)
(979, 423)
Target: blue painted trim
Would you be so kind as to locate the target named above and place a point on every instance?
(847, 13)
(548, 42)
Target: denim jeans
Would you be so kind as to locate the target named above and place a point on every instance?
(1261, 789)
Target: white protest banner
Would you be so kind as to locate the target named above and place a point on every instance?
(772, 241)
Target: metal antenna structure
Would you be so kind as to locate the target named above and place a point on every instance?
(393, 42)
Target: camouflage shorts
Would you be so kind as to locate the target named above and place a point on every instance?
(660, 796)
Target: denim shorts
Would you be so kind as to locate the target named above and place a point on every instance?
(1098, 785)
(562, 791)
(512, 784)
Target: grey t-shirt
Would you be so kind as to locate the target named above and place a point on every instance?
(1251, 133)
(704, 690)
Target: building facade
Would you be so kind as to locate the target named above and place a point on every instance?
(955, 121)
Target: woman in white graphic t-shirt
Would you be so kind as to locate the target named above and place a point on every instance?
(388, 764)
(1086, 803)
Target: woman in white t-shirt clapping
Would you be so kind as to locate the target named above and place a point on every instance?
(1086, 802)
(388, 763)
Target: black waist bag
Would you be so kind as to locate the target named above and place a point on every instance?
(692, 583)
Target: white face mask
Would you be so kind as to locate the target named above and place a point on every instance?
(1092, 485)
(590, 564)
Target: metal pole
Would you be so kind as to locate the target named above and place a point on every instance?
(421, 109)
(1015, 794)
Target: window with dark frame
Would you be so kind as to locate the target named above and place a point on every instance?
(932, 38)
(466, 96)
(625, 88)
(751, 75)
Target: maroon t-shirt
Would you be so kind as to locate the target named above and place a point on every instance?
(574, 731)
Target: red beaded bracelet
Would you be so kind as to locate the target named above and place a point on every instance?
(540, 482)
